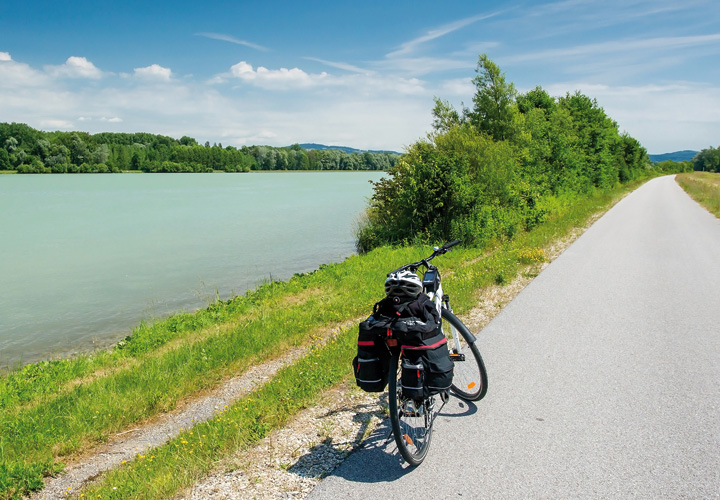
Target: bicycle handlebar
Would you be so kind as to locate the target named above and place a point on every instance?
(446, 247)
(424, 262)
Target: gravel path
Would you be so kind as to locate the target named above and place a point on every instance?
(127, 445)
(291, 461)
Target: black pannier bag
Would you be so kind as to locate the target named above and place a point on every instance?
(414, 324)
(412, 378)
(373, 358)
(420, 308)
(426, 367)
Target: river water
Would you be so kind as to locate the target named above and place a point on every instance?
(84, 258)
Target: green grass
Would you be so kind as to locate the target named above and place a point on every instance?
(238, 427)
(50, 411)
(703, 187)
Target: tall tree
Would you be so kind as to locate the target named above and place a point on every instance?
(493, 100)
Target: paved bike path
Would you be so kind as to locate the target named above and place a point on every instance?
(604, 375)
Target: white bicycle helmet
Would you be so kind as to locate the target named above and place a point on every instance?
(403, 284)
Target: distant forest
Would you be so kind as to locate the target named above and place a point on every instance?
(27, 150)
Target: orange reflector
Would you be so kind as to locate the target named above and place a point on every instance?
(471, 385)
(409, 441)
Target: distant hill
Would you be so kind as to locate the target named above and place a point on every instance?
(677, 156)
(343, 148)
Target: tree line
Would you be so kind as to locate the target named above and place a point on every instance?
(503, 166)
(707, 160)
(27, 150)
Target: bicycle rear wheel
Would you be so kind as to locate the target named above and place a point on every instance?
(469, 375)
(411, 420)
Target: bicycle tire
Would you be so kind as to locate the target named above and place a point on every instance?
(412, 428)
(469, 374)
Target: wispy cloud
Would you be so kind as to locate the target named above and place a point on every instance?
(420, 66)
(340, 65)
(618, 46)
(232, 39)
(410, 46)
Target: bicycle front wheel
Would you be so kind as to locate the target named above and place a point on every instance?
(469, 375)
(411, 420)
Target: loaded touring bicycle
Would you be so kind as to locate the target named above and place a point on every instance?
(415, 346)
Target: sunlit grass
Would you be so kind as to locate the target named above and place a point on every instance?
(703, 187)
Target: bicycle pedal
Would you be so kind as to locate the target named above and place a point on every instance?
(412, 409)
(457, 357)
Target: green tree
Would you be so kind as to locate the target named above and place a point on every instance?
(537, 98)
(445, 116)
(707, 160)
(188, 141)
(493, 100)
(5, 163)
(11, 144)
(79, 152)
(101, 154)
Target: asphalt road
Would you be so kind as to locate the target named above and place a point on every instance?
(604, 375)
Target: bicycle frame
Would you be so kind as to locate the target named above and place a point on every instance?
(441, 302)
(412, 419)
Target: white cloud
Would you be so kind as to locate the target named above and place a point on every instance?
(5, 56)
(20, 75)
(57, 124)
(372, 110)
(154, 72)
(75, 67)
(278, 78)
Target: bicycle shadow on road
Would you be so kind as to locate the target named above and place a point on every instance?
(378, 460)
(457, 407)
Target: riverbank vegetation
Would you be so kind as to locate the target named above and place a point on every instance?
(29, 151)
(510, 178)
(703, 187)
(484, 174)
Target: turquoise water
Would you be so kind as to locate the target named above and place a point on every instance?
(84, 258)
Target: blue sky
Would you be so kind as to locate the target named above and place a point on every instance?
(361, 74)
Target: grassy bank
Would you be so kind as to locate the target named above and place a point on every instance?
(53, 411)
(703, 187)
